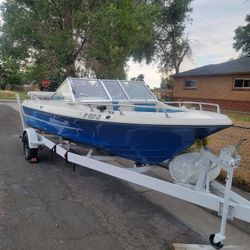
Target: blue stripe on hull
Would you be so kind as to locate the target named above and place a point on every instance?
(149, 144)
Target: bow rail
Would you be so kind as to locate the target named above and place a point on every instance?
(199, 104)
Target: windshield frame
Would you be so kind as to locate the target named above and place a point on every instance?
(70, 83)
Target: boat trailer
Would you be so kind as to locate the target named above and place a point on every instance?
(204, 192)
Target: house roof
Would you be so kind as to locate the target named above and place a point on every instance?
(238, 66)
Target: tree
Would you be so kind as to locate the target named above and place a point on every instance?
(172, 46)
(167, 83)
(38, 34)
(242, 37)
(12, 73)
(54, 37)
(140, 77)
(92, 37)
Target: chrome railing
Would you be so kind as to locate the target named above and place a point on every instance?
(33, 97)
(38, 95)
(199, 104)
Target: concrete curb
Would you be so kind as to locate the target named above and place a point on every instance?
(177, 246)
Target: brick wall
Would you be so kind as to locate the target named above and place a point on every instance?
(217, 89)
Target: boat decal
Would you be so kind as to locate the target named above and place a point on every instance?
(58, 122)
(52, 123)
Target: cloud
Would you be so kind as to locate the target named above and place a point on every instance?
(211, 34)
(212, 30)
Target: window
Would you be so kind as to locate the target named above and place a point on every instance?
(137, 90)
(63, 93)
(88, 90)
(114, 90)
(190, 84)
(241, 83)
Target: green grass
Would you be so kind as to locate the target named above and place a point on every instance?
(239, 117)
(11, 95)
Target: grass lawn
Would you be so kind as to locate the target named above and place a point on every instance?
(11, 95)
(238, 117)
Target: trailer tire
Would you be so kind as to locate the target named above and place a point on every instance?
(30, 154)
(217, 245)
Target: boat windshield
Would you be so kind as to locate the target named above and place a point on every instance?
(84, 89)
(63, 93)
(137, 90)
(114, 89)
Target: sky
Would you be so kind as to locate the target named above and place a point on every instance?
(211, 34)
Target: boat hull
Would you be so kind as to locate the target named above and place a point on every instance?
(146, 144)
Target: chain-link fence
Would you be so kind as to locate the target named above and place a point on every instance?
(231, 136)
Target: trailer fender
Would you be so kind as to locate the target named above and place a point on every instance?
(32, 137)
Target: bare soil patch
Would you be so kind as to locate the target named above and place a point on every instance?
(231, 136)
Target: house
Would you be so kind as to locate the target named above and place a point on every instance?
(227, 84)
(163, 94)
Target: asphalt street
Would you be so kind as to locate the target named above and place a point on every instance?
(47, 206)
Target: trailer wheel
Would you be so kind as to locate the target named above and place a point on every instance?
(30, 154)
(217, 245)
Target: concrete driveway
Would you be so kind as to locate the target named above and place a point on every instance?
(47, 206)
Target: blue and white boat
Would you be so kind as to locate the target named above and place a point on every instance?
(122, 118)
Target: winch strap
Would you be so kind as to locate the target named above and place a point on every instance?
(54, 149)
(66, 157)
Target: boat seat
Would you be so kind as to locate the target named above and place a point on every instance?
(116, 106)
(161, 110)
(151, 107)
